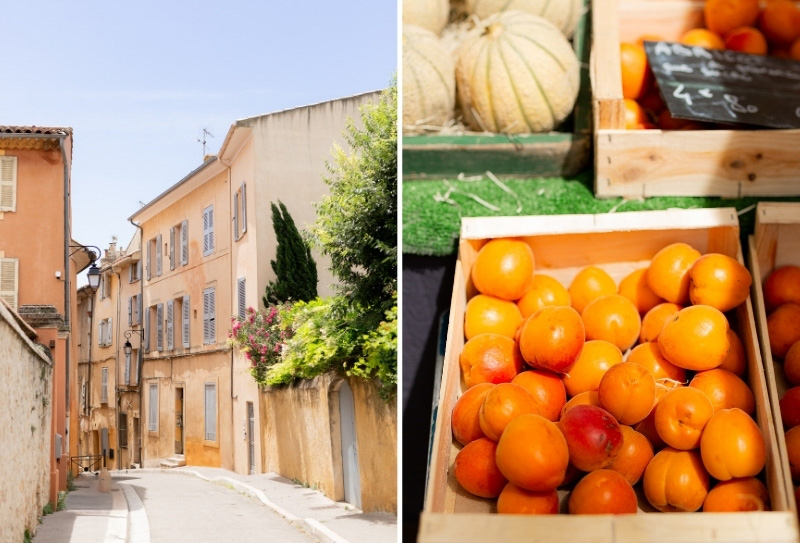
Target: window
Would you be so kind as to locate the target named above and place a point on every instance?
(170, 327)
(160, 327)
(211, 412)
(104, 333)
(208, 230)
(186, 309)
(147, 329)
(123, 431)
(9, 278)
(8, 183)
(104, 385)
(172, 248)
(128, 367)
(158, 255)
(152, 409)
(209, 316)
(134, 309)
(83, 395)
(135, 271)
(241, 290)
(239, 212)
(184, 243)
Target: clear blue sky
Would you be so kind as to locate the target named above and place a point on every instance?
(138, 82)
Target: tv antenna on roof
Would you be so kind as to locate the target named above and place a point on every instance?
(206, 133)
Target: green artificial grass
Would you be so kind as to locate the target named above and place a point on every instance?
(432, 209)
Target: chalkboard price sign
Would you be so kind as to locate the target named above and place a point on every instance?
(726, 86)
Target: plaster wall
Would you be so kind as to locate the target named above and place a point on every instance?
(301, 434)
(291, 150)
(26, 380)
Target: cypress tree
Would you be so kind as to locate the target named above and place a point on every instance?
(294, 267)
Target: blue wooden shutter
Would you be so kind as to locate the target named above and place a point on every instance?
(160, 327)
(158, 255)
(244, 208)
(172, 248)
(184, 243)
(170, 327)
(241, 291)
(185, 322)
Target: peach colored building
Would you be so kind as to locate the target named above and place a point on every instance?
(39, 263)
(186, 374)
(277, 156)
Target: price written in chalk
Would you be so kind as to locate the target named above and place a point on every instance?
(726, 86)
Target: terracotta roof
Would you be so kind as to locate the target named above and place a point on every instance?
(52, 130)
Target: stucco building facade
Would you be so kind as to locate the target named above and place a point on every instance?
(39, 263)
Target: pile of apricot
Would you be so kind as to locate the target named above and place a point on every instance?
(594, 387)
(782, 300)
(737, 25)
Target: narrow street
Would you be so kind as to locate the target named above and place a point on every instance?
(185, 508)
(154, 506)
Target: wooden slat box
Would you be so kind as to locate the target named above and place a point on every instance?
(642, 163)
(551, 154)
(775, 243)
(618, 243)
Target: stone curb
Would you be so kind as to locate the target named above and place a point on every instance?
(310, 525)
(138, 523)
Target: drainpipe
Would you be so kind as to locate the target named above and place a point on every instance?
(67, 290)
(140, 362)
(231, 283)
(116, 362)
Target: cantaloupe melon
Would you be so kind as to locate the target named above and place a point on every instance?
(516, 73)
(429, 80)
(562, 13)
(430, 14)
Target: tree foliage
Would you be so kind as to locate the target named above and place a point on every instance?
(294, 267)
(357, 222)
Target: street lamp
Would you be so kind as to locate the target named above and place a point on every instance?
(128, 347)
(94, 276)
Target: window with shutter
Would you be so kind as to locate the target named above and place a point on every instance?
(244, 208)
(170, 337)
(128, 368)
(104, 386)
(9, 277)
(208, 230)
(147, 330)
(130, 310)
(172, 248)
(152, 408)
(158, 255)
(149, 259)
(241, 291)
(8, 183)
(211, 412)
(101, 332)
(109, 332)
(184, 243)
(185, 322)
(209, 317)
(160, 327)
(236, 215)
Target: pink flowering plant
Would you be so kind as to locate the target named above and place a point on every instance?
(261, 336)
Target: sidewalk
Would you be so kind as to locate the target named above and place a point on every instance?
(90, 515)
(330, 521)
(118, 516)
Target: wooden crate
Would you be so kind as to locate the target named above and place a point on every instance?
(775, 243)
(618, 243)
(549, 154)
(642, 163)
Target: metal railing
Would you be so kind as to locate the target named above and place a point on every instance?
(89, 462)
